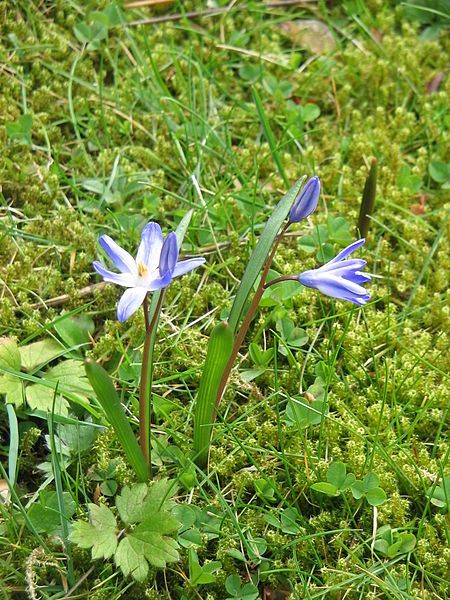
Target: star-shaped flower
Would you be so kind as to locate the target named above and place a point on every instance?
(340, 278)
(154, 267)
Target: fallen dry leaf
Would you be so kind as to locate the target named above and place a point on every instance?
(419, 209)
(5, 493)
(434, 84)
(310, 34)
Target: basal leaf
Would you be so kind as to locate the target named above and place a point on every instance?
(9, 354)
(70, 375)
(130, 561)
(41, 398)
(130, 503)
(39, 353)
(150, 539)
(261, 252)
(100, 534)
(12, 387)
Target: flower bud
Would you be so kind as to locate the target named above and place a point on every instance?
(306, 201)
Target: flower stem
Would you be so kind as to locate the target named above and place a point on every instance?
(249, 316)
(280, 279)
(145, 390)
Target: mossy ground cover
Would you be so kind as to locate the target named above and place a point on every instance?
(103, 124)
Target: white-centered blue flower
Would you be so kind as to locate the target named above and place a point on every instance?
(154, 267)
(340, 278)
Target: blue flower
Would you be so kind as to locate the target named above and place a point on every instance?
(340, 278)
(155, 266)
(306, 201)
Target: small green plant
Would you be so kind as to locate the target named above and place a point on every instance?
(288, 521)
(440, 173)
(239, 590)
(142, 536)
(202, 574)
(265, 490)
(308, 410)
(392, 542)
(338, 481)
(20, 131)
(369, 489)
(255, 548)
(261, 359)
(439, 495)
(45, 514)
(28, 382)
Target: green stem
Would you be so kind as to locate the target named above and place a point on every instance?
(249, 316)
(145, 390)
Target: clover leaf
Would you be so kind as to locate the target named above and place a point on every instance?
(369, 489)
(440, 495)
(337, 480)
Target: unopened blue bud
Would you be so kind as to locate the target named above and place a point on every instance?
(307, 200)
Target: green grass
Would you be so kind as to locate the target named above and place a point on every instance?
(120, 134)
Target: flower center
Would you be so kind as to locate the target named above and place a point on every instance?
(142, 269)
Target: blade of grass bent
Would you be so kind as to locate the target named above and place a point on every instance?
(13, 443)
(261, 252)
(269, 135)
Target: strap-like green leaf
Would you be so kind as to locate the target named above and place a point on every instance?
(261, 252)
(219, 349)
(110, 402)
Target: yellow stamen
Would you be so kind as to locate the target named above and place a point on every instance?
(142, 269)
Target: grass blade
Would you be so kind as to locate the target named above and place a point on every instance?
(269, 135)
(13, 444)
(110, 402)
(59, 492)
(261, 252)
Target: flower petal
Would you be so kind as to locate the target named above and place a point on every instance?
(130, 301)
(184, 266)
(346, 251)
(343, 266)
(123, 279)
(158, 283)
(359, 277)
(336, 287)
(169, 254)
(120, 257)
(344, 290)
(149, 249)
